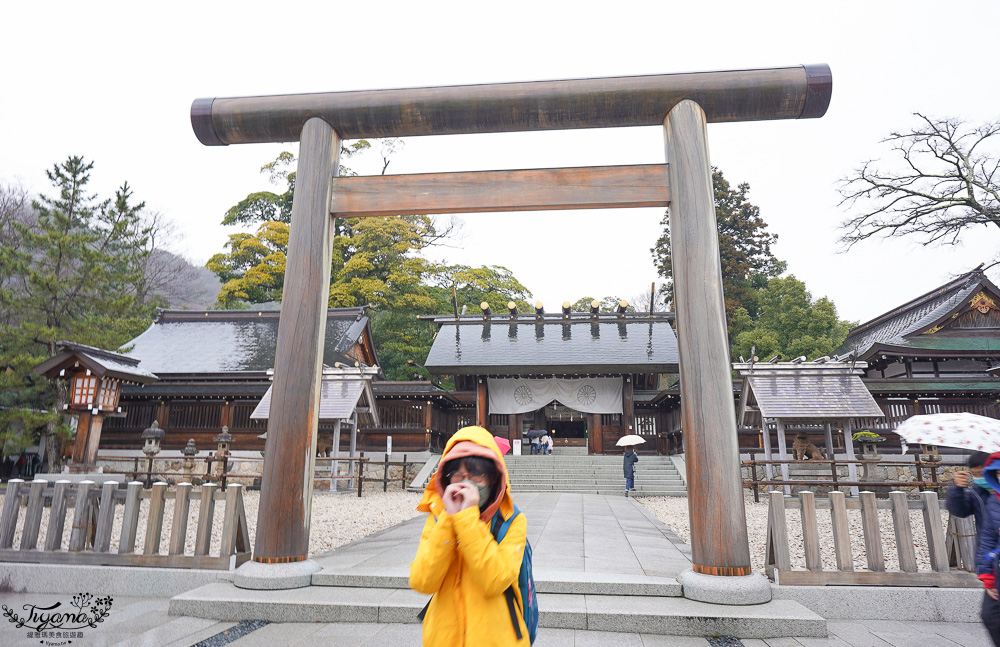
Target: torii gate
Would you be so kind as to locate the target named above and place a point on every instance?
(682, 103)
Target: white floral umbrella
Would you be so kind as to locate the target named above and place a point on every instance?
(631, 439)
(962, 430)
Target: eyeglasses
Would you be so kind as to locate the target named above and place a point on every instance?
(461, 474)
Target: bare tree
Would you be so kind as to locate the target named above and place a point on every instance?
(940, 179)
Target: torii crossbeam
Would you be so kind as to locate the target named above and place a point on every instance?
(682, 103)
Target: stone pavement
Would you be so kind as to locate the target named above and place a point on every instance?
(619, 537)
(605, 550)
(144, 622)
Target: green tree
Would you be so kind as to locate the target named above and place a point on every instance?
(791, 323)
(744, 248)
(494, 284)
(71, 281)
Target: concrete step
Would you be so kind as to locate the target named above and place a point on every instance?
(570, 582)
(622, 613)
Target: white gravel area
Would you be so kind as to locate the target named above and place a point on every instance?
(337, 519)
(673, 513)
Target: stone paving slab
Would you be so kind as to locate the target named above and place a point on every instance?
(141, 621)
(582, 533)
(546, 581)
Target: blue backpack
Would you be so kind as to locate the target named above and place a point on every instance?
(525, 581)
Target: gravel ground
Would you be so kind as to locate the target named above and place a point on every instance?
(673, 513)
(337, 519)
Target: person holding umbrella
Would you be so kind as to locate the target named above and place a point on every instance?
(970, 493)
(989, 547)
(630, 459)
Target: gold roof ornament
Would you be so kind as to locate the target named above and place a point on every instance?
(982, 303)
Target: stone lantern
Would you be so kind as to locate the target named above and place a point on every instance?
(151, 437)
(189, 452)
(224, 440)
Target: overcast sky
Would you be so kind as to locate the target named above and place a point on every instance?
(114, 82)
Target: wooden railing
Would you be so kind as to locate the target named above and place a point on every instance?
(778, 558)
(93, 521)
(928, 468)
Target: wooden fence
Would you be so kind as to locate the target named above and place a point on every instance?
(940, 548)
(93, 520)
(930, 468)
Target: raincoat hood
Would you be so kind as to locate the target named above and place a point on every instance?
(990, 470)
(471, 441)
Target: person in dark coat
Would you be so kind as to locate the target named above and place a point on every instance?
(970, 492)
(630, 460)
(989, 544)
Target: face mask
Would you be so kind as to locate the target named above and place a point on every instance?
(981, 482)
(484, 495)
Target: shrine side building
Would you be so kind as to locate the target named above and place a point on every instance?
(932, 354)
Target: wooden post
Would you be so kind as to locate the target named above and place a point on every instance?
(935, 533)
(852, 469)
(352, 451)
(777, 534)
(841, 532)
(482, 403)
(904, 532)
(872, 534)
(33, 515)
(810, 531)
(513, 428)
(178, 531)
(206, 513)
(154, 522)
(783, 452)
(130, 523)
(93, 441)
(335, 464)
(628, 406)
(596, 432)
(57, 516)
(290, 449)
(81, 517)
(719, 543)
(106, 517)
(768, 454)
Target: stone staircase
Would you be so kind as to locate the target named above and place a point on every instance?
(655, 475)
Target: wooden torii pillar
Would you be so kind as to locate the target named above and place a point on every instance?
(681, 103)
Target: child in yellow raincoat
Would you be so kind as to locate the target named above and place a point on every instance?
(458, 561)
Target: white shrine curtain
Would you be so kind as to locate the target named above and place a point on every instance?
(587, 394)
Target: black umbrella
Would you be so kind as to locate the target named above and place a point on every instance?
(536, 433)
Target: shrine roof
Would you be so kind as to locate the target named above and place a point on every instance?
(100, 361)
(227, 341)
(821, 395)
(554, 344)
(901, 327)
(933, 385)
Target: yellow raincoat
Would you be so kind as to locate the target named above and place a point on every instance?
(460, 563)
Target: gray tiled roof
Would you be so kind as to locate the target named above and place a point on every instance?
(524, 347)
(223, 341)
(813, 396)
(336, 402)
(892, 327)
